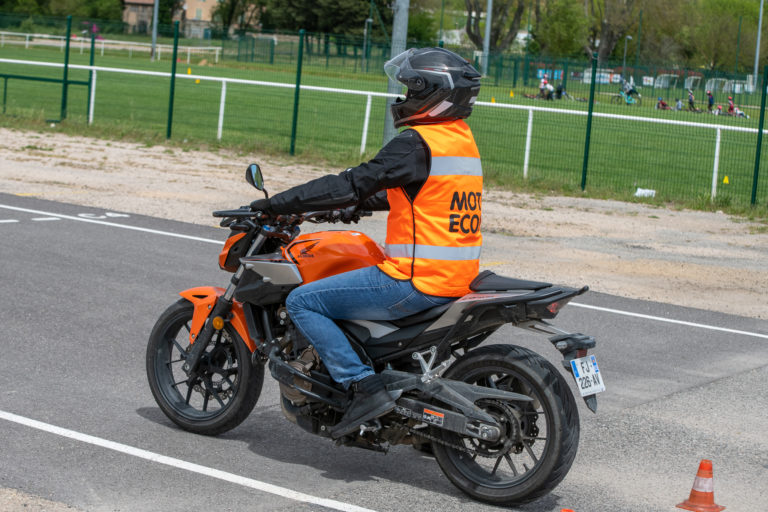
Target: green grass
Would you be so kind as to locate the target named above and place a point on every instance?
(676, 161)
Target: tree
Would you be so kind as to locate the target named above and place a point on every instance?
(503, 27)
(422, 27)
(562, 30)
(244, 13)
(97, 9)
(610, 21)
(714, 29)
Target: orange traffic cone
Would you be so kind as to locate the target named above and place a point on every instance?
(702, 497)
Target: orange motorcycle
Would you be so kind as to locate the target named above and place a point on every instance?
(500, 420)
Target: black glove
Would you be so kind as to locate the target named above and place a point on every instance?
(348, 214)
(261, 205)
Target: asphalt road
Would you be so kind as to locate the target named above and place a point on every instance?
(78, 424)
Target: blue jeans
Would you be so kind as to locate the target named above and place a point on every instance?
(362, 294)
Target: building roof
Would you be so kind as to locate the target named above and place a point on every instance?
(139, 2)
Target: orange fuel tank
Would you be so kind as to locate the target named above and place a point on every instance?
(327, 253)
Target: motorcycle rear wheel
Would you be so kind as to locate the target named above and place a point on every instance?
(226, 388)
(543, 434)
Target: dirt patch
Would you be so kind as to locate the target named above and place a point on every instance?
(12, 500)
(697, 259)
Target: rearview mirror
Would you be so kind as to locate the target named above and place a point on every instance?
(254, 177)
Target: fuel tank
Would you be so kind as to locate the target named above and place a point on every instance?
(327, 253)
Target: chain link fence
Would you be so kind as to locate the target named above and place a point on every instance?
(242, 91)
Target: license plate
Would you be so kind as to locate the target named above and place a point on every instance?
(588, 377)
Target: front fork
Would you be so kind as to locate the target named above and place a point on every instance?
(211, 312)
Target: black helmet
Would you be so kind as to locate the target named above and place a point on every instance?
(442, 86)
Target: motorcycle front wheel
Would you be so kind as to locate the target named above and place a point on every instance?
(224, 390)
(539, 438)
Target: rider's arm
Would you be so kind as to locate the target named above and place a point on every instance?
(401, 163)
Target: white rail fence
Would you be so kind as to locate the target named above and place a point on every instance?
(718, 129)
(84, 44)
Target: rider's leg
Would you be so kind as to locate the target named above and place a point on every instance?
(363, 294)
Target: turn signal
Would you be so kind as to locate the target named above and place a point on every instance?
(218, 323)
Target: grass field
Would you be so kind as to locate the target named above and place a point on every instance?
(676, 161)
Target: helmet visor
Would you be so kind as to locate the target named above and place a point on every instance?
(394, 65)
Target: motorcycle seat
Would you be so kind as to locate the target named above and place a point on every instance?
(423, 316)
(488, 281)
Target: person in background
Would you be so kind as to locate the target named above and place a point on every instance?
(731, 106)
(661, 104)
(691, 101)
(678, 104)
(543, 86)
(710, 102)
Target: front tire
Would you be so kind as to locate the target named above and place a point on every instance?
(541, 437)
(227, 385)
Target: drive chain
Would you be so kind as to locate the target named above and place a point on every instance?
(423, 433)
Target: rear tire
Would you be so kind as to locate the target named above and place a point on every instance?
(227, 387)
(543, 434)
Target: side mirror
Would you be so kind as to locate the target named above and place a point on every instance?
(254, 177)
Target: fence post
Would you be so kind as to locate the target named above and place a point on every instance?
(514, 72)
(365, 124)
(717, 165)
(90, 77)
(528, 134)
(296, 94)
(92, 98)
(565, 75)
(173, 77)
(759, 134)
(589, 121)
(65, 81)
(221, 108)
(5, 91)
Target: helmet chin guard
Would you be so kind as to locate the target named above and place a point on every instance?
(441, 86)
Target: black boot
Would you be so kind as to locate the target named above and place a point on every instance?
(370, 401)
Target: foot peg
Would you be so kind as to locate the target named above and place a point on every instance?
(371, 426)
(426, 366)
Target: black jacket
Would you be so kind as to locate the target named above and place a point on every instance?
(404, 162)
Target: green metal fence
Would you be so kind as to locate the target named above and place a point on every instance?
(244, 94)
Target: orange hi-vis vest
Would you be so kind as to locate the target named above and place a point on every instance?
(435, 240)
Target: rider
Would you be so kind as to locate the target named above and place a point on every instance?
(430, 179)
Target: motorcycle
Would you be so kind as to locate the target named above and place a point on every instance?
(499, 419)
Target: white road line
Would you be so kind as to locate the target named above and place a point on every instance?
(47, 218)
(114, 224)
(181, 464)
(671, 321)
(8, 221)
(208, 240)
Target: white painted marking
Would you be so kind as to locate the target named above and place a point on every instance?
(8, 221)
(671, 321)
(114, 225)
(46, 218)
(181, 464)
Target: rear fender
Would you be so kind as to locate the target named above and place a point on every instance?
(203, 299)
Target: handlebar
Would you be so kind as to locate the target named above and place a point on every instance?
(316, 217)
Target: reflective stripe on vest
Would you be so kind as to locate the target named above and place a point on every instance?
(455, 166)
(432, 252)
(434, 238)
